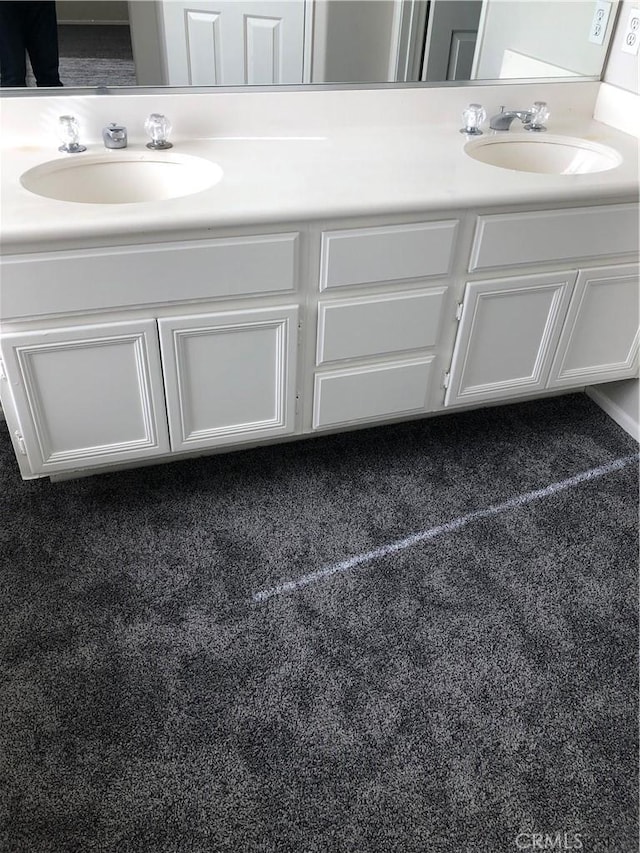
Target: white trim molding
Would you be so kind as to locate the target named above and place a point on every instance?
(623, 409)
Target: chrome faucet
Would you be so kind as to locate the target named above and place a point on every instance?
(114, 136)
(532, 119)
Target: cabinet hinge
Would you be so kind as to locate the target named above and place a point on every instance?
(459, 310)
(3, 374)
(445, 381)
(20, 442)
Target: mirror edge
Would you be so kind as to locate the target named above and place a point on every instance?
(33, 91)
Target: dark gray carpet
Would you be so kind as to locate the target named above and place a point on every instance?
(444, 699)
(95, 55)
(90, 41)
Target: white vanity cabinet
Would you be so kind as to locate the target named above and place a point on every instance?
(86, 395)
(528, 333)
(198, 348)
(117, 354)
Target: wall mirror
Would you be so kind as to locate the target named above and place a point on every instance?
(205, 43)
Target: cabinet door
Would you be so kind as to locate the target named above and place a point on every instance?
(230, 377)
(599, 341)
(508, 333)
(87, 395)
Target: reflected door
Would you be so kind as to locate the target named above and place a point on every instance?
(233, 43)
(451, 39)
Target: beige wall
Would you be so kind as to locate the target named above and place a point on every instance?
(354, 40)
(622, 68)
(100, 11)
(553, 31)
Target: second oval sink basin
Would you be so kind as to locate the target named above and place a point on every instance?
(121, 178)
(551, 155)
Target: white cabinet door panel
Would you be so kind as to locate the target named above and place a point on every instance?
(507, 336)
(230, 377)
(370, 393)
(88, 395)
(599, 341)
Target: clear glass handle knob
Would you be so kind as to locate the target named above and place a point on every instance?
(69, 132)
(158, 127)
(473, 117)
(539, 114)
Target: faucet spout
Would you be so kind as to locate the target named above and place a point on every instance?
(114, 136)
(532, 119)
(502, 121)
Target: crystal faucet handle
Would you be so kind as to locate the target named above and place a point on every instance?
(473, 117)
(158, 127)
(69, 132)
(539, 114)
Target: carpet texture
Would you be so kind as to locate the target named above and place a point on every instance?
(454, 697)
(94, 56)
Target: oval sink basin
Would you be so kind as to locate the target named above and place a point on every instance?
(121, 177)
(550, 155)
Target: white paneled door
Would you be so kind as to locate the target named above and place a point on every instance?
(451, 39)
(233, 42)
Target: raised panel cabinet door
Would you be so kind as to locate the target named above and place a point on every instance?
(599, 341)
(87, 395)
(230, 376)
(507, 337)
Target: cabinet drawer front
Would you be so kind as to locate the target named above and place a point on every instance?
(132, 275)
(366, 255)
(369, 393)
(230, 377)
(351, 328)
(516, 239)
(599, 341)
(88, 395)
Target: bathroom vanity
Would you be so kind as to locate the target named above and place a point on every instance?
(339, 274)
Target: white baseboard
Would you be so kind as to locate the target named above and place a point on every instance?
(617, 413)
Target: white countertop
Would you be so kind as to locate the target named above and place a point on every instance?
(312, 170)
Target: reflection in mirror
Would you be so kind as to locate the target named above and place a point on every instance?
(269, 42)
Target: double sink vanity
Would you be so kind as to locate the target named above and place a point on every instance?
(304, 262)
